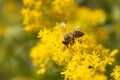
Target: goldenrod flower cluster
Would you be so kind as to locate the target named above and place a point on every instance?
(44, 13)
(116, 73)
(83, 60)
(40, 13)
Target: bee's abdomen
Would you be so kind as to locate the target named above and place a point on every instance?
(77, 34)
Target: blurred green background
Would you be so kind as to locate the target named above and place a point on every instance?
(15, 43)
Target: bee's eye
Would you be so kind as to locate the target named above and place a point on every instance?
(67, 37)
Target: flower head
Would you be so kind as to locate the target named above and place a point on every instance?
(116, 73)
(83, 57)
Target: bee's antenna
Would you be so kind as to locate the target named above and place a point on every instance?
(77, 27)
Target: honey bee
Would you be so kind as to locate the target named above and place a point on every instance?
(69, 37)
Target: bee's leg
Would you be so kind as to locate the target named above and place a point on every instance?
(72, 41)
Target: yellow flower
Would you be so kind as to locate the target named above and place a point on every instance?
(84, 57)
(116, 73)
(28, 3)
(89, 18)
(101, 34)
(2, 31)
(40, 13)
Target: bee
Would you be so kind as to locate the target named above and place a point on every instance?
(69, 38)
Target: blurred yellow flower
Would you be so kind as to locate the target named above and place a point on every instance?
(116, 73)
(38, 14)
(101, 34)
(2, 31)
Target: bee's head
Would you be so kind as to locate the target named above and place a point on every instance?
(67, 37)
(65, 42)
